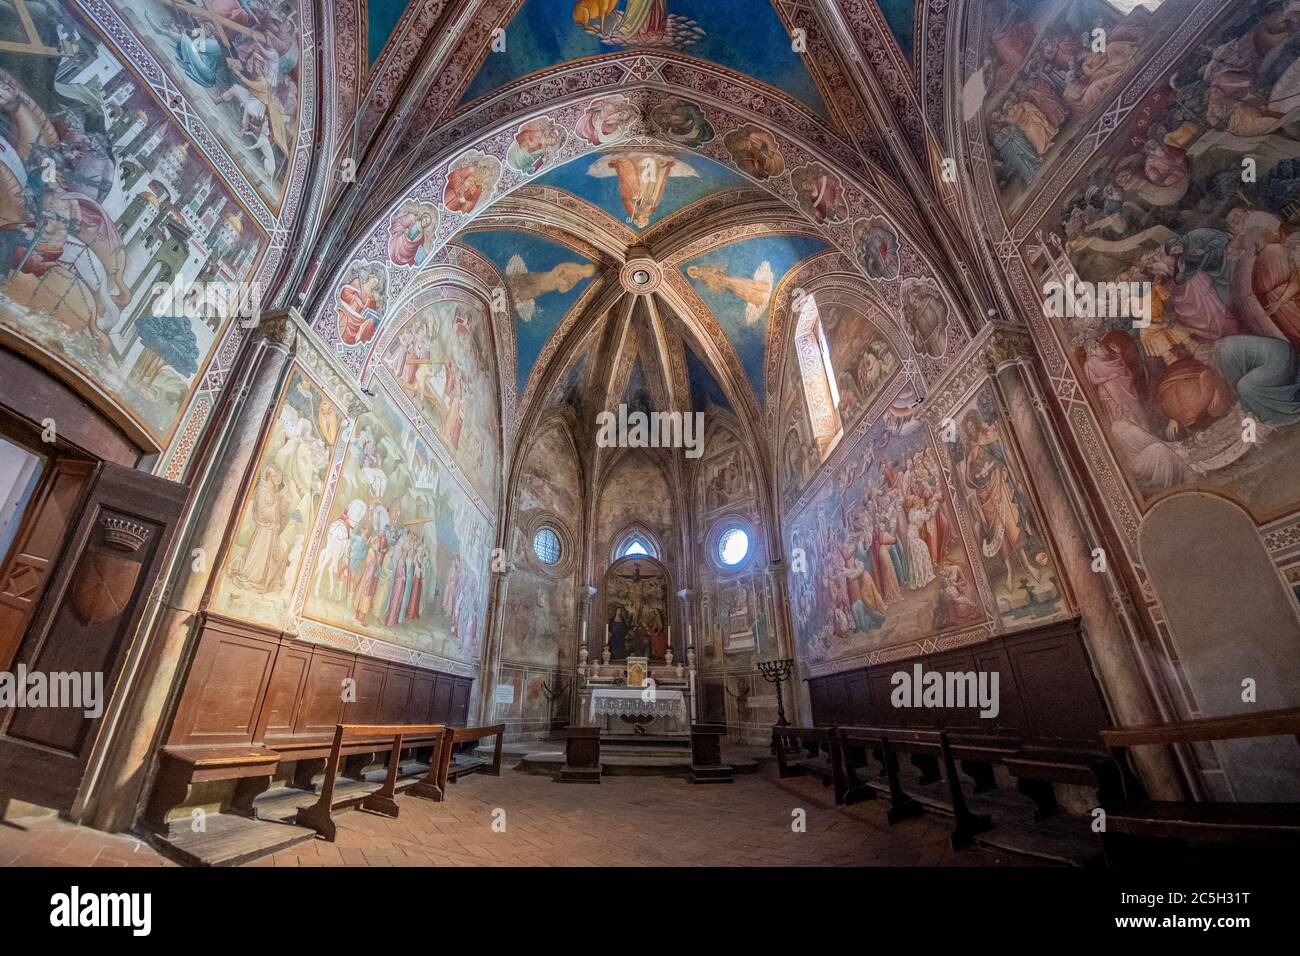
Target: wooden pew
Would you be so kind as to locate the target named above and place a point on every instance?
(182, 767)
(377, 738)
(1138, 826)
(935, 750)
(461, 735)
(813, 750)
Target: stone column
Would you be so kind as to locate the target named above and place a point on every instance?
(490, 667)
(118, 781)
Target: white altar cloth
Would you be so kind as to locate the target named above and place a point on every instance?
(636, 702)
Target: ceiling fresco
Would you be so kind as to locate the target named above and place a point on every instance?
(544, 279)
(746, 36)
(705, 390)
(641, 187)
(901, 17)
(736, 282)
(381, 21)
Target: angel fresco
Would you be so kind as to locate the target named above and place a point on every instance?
(755, 291)
(642, 179)
(527, 287)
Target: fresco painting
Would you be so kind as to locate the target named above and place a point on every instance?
(607, 119)
(361, 302)
(545, 279)
(108, 218)
(863, 360)
(1010, 534)
(1048, 74)
(1167, 205)
(885, 561)
(737, 281)
(705, 388)
(411, 233)
(267, 551)
(237, 61)
(404, 557)
(901, 17)
(642, 187)
(442, 360)
(546, 33)
(636, 609)
(538, 627)
(797, 449)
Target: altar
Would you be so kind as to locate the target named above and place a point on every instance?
(638, 710)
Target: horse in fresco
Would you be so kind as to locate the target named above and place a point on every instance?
(333, 557)
(62, 250)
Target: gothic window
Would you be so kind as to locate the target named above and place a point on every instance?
(821, 395)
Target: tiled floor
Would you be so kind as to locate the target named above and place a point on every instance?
(624, 821)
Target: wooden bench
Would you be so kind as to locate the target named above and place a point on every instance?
(450, 771)
(810, 750)
(366, 739)
(182, 767)
(934, 750)
(1136, 826)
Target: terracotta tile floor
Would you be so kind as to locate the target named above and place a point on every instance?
(625, 821)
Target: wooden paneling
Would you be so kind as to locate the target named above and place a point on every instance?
(442, 699)
(460, 702)
(1048, 695)
(251, 685)
(231, 676)
(284, 692)
(397, 695)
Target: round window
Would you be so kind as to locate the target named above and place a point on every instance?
(546, 545)
(733, 546)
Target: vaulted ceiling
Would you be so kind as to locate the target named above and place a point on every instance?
(728, 153)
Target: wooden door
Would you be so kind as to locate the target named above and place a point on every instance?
(95, 595)
(25, 571)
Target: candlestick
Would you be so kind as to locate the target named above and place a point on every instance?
(774, 672)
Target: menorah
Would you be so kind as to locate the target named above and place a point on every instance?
(775, 672)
